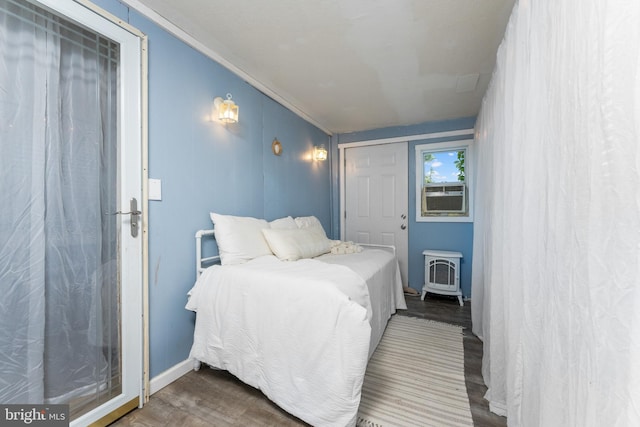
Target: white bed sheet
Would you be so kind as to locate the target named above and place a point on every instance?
(301, 332)
(381, 272)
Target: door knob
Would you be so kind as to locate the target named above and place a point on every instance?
(403, 226)
(403, 216)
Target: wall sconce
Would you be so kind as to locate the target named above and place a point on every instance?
(276, 147)
(228, 111)
(320, 153)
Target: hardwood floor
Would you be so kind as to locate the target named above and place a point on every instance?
(216, 398)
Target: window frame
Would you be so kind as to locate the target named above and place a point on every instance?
(420, 149)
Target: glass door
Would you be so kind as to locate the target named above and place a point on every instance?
(70, 265)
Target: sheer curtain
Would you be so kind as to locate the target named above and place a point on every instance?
(556, 268)
(58, 275)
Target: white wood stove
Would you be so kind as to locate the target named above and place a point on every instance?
(442, 273)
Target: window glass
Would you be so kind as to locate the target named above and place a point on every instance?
(444, 166)
(442, 187)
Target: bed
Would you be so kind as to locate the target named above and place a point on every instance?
(300, 328)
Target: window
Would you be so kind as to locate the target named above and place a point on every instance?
(442, 182)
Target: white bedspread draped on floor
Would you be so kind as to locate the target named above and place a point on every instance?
(556, 266)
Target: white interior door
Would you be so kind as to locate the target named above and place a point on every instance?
(126, 185)
(72, 157)
(376, 197)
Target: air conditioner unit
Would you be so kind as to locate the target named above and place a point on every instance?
(445, 197)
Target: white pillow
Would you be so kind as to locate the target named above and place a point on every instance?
(239, 239)
(310, 222)
(293, 244)
(286, 222)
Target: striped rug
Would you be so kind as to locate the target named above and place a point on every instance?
(416, 377)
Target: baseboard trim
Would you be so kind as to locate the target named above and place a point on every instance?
(162, 380)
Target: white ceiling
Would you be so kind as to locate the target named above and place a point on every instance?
(350, 65)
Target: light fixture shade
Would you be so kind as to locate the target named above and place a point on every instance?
(320, 153)
(276, 147)
(228, 111)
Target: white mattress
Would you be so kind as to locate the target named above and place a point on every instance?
(302, 331)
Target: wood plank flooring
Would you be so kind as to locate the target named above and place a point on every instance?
(216, 398)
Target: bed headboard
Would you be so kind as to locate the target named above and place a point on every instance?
(200, 260)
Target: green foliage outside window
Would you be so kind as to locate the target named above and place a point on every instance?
(459, 163)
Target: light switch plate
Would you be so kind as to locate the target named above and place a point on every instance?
(155, 189)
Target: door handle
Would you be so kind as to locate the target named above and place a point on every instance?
(403, 226)
(134, 212)
(403, 216)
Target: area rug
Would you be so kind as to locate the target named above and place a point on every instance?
(416, 377)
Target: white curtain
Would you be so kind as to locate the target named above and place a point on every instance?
(556, 268)
(57, 175)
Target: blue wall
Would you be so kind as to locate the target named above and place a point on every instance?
(422, 235)
(207, 166)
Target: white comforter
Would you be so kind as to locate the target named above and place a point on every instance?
(299, 331)
(382, 274)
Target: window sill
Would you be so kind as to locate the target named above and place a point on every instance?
(444, 218)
